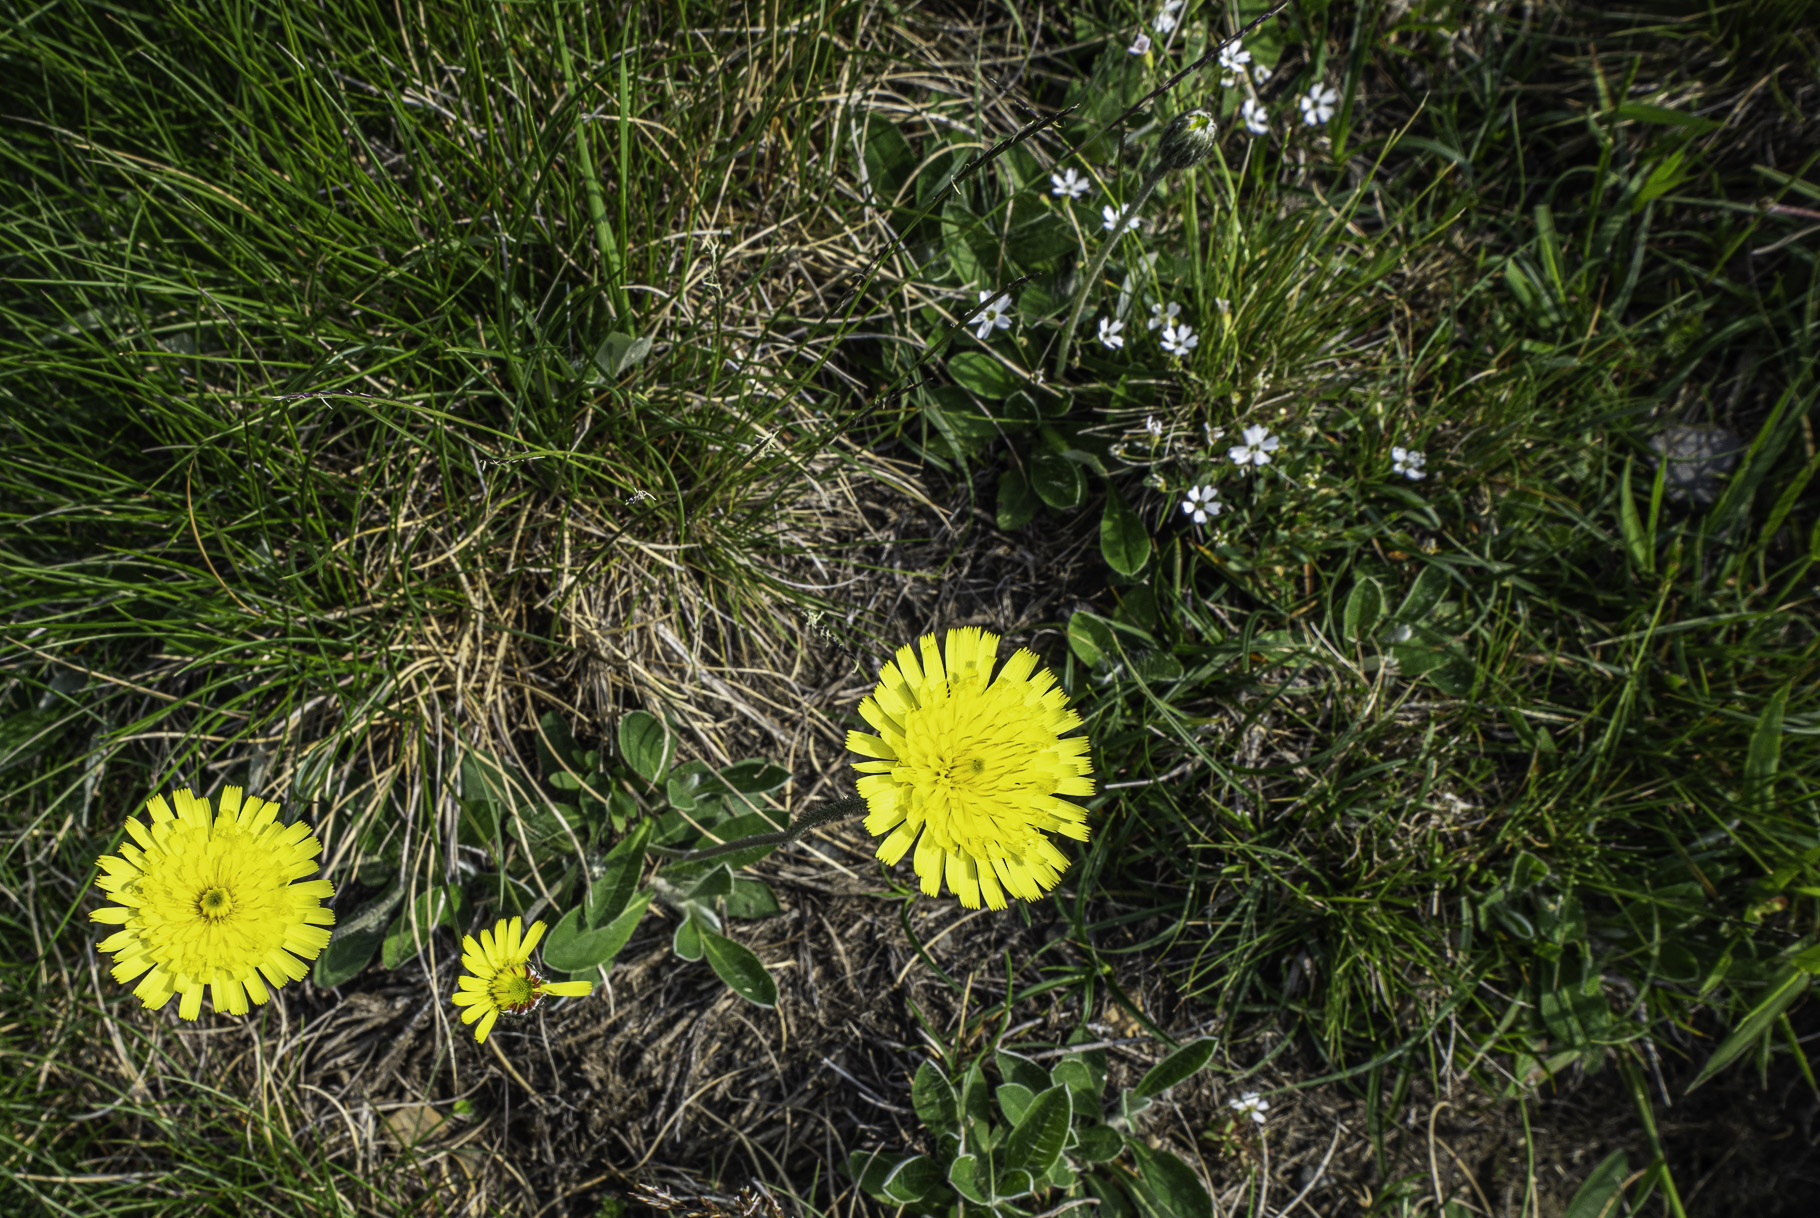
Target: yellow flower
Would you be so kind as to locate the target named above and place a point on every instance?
(503, 978)
(209, 901)
(974, 768)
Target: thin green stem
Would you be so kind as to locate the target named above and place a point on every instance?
(840, 809)
(1099, 265)
(1640, 1094)
(597, 204)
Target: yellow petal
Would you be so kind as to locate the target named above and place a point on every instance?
(934, 676)
(989, 888)
(140, 833)
(130, 967)
(868, 745)
(892, 848)
(154, 990)
(191, 1006)
(962, 881)
(928, 864)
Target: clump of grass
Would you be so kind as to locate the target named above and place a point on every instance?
(358, 416)
(150, 1124)
(1509, 756)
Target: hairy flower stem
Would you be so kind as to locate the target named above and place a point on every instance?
(840, 809)
(1099, 265)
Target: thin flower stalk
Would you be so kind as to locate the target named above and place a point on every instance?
(1185, 142)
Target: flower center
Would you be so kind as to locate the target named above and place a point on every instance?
(215, 903)
(957, 771)
(517, 992)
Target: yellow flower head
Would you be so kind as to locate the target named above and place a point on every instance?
(503, 978)
(975, 768)
(210, 900)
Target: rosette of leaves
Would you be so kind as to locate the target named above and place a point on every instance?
(640, 802)
(1039, 1138)
(702, 807)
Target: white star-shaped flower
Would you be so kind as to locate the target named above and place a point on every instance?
(1317, 104)
(1251, 113)
(1409, 463)
(1201, 503)
(1140, 45)
(1165, 20)
(1232, 65)
(996, 315)
(1250, 1104)
(1068, 182)
(1256, 449)
(1179, 339)
(1160, 316)
(1110, 338)
(1114, 217)
(1152, 426)
(1260, 72)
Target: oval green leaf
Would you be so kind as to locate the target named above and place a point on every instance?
(1017, 503)
(912, 1180)
(742, 970)
(1090, 638)
(1013, 1100)
(1042, 1129)
(686, 942)
(1124, 541)
(344, 959)
(574, 949)
(1597, 1196)
(1167, 1187)
(1099, 1144)
(1364, 606)
(1057, 481)
(752, 899)
(1177, 1067)
(611, 891)
(645, 745)
(965, 1175)
(983, 376)
(932, 1095)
